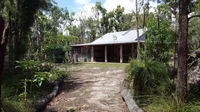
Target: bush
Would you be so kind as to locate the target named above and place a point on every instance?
(30, 76)
(31, 82)
(30, 67)
(147, 76)
(55, 53)
(159, 44)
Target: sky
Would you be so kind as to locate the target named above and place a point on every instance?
(76, 5)
(84, 8)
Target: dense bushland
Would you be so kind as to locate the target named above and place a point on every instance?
(31, 82)
(153, 77)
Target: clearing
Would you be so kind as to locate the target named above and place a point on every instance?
(94, 87)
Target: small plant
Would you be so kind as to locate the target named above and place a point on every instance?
(41, 77)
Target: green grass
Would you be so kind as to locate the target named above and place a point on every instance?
(102, 64)
(96, 64)
(10, 105)
(167, 104)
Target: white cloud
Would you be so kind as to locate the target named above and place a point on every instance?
(85, 12)
(129, 5)
(110, 5)
(82, 1)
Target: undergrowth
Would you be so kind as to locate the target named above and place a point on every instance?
(31, 82)
(171, 103)
(153, 85)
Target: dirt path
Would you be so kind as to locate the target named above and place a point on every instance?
(94, 88)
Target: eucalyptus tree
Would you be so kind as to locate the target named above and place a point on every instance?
(120, 24)
(160, 41)
(40, 30)
(16, 18)
(181, 86)
(92, 29)
(137, 28)
(3, 43)
(72, 28)
(104, 19)
(184, 10)
(146, 8)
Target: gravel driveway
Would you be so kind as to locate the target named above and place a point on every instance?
(93, 87)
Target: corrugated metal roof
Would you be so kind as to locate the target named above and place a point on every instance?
(122, 37)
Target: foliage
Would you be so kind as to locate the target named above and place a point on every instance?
(36, 74)
(21, 15)
(57, 46)
(112, 21)
(194, 27)
(147, 75)
(170, 103)
(32, 81)
(16, 106)
(194, 41)
(55, 53)
(31, 67)
(160, 41)
(40, 78)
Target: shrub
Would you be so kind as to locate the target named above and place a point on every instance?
(31, 82)
(31, 76)
(30, 67)
(159, 44)
(147, 76)
(55, 53)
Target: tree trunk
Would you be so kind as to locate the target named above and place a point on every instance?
(11, 54)
(3, 44)
(138, 41)
(144, 18)
(176, 38)
(181, 86)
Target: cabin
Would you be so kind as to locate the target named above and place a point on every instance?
(111, 47)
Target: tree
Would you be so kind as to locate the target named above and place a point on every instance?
(3, 43)
(119, 19)
(181, 86)
(56, 47)
(16, 18)
(92, 29)
(160, 41)
(184, 10)
(137, 28)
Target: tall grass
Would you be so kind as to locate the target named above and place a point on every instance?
(154, 88)
(147, 76)
(171, 103)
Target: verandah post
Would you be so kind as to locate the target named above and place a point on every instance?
(106, 54)
(92, 54)
(121, 53)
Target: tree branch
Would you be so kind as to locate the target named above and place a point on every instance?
(193, 17)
